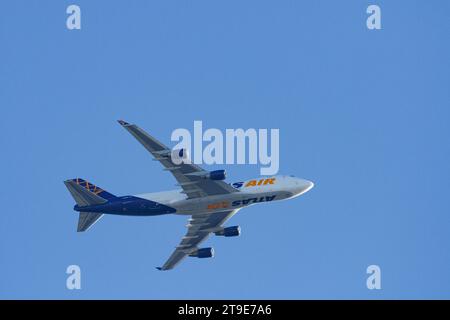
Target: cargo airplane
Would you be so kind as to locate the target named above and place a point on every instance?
(204, 196)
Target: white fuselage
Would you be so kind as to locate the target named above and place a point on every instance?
(259, 190)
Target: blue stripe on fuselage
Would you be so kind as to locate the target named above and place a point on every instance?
(128, 206)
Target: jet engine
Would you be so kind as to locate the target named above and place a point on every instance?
(217, 175)
(229, 231)
(213, 175)
(203, 253)
(179, 155)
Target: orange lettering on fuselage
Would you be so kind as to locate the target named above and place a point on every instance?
(253, 183)
(269, 181)
(219, 205)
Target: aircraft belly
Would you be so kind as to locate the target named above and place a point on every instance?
(226, 202)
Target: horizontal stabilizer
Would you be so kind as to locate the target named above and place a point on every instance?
(87, 219)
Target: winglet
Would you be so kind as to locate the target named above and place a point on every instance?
(159, 268)
(123, 123)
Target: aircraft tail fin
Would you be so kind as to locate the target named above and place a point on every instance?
(87, 194)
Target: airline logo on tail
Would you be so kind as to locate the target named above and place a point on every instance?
(93, 188)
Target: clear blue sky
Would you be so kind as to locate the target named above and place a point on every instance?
(364, 114)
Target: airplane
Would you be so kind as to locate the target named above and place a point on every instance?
(204, 196)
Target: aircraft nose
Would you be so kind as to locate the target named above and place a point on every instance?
(308, 185)
(304, 186)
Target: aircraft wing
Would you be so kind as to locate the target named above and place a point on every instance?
(199, 228)
(188, 175)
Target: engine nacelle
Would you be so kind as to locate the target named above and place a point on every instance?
(179, 156)
(229, 231)
(217, 175)
(203, 253)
